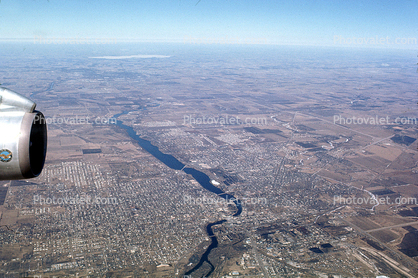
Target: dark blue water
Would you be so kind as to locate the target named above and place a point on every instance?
(205, 255)
(204, 181)
(199, 176)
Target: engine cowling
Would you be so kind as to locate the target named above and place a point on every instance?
(23, 137)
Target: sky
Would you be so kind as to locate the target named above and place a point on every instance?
(340, 23)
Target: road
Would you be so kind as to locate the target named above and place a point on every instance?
(393, 226)
(258, 258)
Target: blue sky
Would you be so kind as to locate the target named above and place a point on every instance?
(213, 21)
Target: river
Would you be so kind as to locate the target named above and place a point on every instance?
(199, 176)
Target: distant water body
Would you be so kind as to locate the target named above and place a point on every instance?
(199, 176)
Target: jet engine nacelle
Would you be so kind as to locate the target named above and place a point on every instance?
(23, 137)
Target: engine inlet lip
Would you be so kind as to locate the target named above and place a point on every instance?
(32, 144)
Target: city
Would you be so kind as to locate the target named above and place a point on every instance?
(260, 124)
